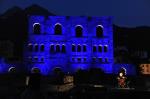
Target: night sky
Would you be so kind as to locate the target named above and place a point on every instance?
(129, 13)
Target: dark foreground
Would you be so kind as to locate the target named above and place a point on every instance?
(13, 87)
(77, 93)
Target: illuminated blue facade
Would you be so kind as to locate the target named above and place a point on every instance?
(70, 43)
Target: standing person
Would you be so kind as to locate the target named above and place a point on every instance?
(33, 90)
(34, 79)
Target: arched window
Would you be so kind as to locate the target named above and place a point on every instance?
(57, 70)
(99, 48)
(105, 48)
(57, 48)
(73, 48)
(79, 48)
(84, 48)
(79, 59)
(106, 60)
(36, 47)
(93, 59)
(35, 58)
(94, 48)
(12, 70)
(99, 31)
(73, 59)
(35, 70)
(123, 70)
(58, 29)
(63, 49)
(84, 59)
(100, 59)
(42, 59)
(42, 48)
(30, 47)
(36, 28)
(52, 50)
(79, 31)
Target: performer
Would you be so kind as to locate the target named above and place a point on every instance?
(122, 79)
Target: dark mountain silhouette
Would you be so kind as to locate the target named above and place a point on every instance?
(36, 10)
(31, 10)
(11, 12)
